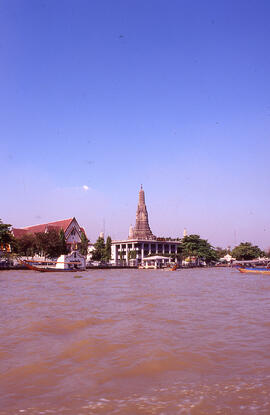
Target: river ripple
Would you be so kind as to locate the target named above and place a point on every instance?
(135, 342)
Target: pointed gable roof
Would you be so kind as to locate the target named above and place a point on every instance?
(30, 230)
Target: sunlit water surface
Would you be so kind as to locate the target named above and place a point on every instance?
(135, 342)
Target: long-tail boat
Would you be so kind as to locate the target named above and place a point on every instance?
(70, 262)
(251, 270)
(44, 266)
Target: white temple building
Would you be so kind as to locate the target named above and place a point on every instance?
(141, 242)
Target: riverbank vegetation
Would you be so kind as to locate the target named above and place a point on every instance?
(7, 240)
(102, 251)
(247, 251)
(52, 244)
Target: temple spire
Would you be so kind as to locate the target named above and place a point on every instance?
(142, 229)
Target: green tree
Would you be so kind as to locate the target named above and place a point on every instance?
(193, 245)
(27, 245)
(54, 245)
(108, 249)
(220, 252)
(41, 240)
(84, 244)
(63, 244)
(132, 254)
(99, 252)
(246, 251)
(121, 257)
(6, 237)
(49, 243)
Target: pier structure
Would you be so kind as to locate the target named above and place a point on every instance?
(141, 242)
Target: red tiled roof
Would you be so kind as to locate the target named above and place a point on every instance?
(18, 233)
(60, 224)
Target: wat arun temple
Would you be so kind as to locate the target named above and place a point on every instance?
(142, 229)
(141, 242)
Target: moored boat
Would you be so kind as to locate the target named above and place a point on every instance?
(41, 266)
(70, 262)
(265, 271)
(174, 267)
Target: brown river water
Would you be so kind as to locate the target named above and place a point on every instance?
(135, 342)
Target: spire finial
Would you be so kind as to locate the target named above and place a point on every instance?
(141, 186)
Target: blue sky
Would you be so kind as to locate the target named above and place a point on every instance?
(112, 94)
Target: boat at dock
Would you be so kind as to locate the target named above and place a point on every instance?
(70, 262)
(42, 266)
(254, 270)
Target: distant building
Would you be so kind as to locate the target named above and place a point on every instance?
(141, 242)
(90, 251)
(227, 258)
(74, 260)
(71, 228)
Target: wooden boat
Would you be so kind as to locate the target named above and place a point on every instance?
(174, 267)
(72, 261)
(46, 266)
(41, 268)
(265, 271)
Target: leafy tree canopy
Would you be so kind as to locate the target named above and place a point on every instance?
(132, 254)
(99, 252)
(63, 244)
(193, 245)
(27, 245)
(102, 251)
(49, 244)
(246, 251)
(84, 244)
(220, 252)
(6, 237)
(108, 249)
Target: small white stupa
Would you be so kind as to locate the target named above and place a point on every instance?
(131, 232)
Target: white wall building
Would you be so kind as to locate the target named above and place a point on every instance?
(125, 250)
(74, 260)
(141, 242)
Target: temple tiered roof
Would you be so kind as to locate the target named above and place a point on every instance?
(141, 229)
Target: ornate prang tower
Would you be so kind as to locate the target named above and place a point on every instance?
(142, 229)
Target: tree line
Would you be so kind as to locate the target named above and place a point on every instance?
(195, 246)
(52, 244)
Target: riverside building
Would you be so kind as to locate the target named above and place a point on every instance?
(72, 230)
(141, 242)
